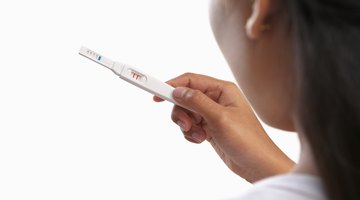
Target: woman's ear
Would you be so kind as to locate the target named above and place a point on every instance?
(258, 21)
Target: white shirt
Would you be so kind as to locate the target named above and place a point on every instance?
(286, 187)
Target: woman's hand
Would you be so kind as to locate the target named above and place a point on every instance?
(217, 111)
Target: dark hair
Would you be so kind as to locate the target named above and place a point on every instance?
(327, 47)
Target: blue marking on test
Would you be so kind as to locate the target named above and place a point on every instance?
(99, 58)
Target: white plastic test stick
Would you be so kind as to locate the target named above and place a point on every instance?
(132, 75)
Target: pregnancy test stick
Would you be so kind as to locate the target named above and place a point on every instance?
(132, 75)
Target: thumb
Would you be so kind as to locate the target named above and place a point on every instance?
(196, 101)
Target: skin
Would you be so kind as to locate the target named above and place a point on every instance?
(261, 59)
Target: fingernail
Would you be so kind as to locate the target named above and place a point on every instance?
(179, 92)
(181, 125)
(198, 137)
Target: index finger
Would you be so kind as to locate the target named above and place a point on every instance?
(197, 81)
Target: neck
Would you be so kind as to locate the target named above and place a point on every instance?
(306, 163)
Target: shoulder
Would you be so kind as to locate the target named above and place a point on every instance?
(290, 186)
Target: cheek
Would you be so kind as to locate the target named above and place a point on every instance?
(215, 15)
(228, 24)
(268, 87)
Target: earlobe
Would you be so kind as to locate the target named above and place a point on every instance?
(256, 24)
(251, 31)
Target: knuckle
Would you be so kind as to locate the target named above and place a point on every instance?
(230, 85)
(195, 96)
(185, 75)
(187, 133)
(196, 118)
(174, 117)
(223, 119)
(188, 138)
(188, 74)
(197, 93)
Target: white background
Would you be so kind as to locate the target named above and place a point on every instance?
(70, 129)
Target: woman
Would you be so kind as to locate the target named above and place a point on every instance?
(297, 63)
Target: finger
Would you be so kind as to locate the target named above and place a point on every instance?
(219, 91)
(157, 99)
(196, 135)
(195, 117)
(197, 102)
(197, 82)
(181, 118)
